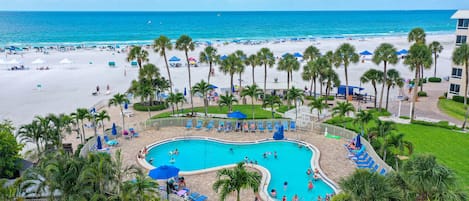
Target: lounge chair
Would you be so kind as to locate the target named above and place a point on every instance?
(133, 133)
(189, 124)
(194, 196)
(365, 162)
(238, 126)
(228, 127)
(245, 127)
(199, 125)
(292, 126)
(382, 172)
(221, 126)
(285, 125)
(210, 125)
(260, 126)
(375, 168)
(269, 126)
(370, 165)
(276, 125)
(201, 198)
(110, 142)
(361, 158)
(252, 127)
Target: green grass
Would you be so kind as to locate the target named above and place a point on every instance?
(246, 109)
(452, 108)
(284, 108)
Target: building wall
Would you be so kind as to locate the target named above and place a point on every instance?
(458, 75)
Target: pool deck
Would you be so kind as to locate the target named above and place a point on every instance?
(332, 161)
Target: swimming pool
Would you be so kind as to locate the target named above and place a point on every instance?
(290, 165)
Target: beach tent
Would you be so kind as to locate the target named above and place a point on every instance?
(366, 53)
(65, 61)
(341, 89)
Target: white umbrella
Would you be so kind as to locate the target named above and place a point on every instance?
(13, 61)
(65, 61)
(38, 61)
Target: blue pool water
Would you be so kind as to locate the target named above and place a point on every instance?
(290, 166)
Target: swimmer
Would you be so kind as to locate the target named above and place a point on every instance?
(316, 176)
(151, 161)
(176, 152)
(172, 160)
(145, 151)
(285, 185)
(310, 185)
(255, 162)
(284, 198)
(308, 172)
(316, 170)
(275, 154)
(231, 150)
(273, 193)
(295, 198)
(319, 198)
(246, 160)
(265, 155)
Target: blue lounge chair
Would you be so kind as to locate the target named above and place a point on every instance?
(194, 196)
(361, 158)
(199, 125)
(228, 127)
(285, 125)
(276, 125)
(252, 127)
(201, 198)
(189, 124)
(383, 172)
(269, 126)
(365, 162)
(292, 126)
(210, 125)
(238, 126)
(260, 126)
(367, 166)
(375, 168)
(110, 142)
(221, 126)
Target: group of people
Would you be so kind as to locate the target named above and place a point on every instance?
(108, 90)
(315, 174)
(142, 153)
(176, 186)
(267, 154)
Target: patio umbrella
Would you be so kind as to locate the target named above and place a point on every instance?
(236, 115)
(126, 106)
(358, 142)
(404, 51)
(297, 54)
(232, 89)
(174, 58)
(185, 91)
(114, 129)
(212, 86)
(223, 57)
(99, 144)
(164, 172)
(366, 53)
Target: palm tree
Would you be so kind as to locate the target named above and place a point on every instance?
(345, 55)
(266, 58)
(252, 91)
(375, 77)
(147, 75)
(288, 63)
(319, 104)
(312, 71)
(240, 68)
(139, 54)
(364, 185)
(230, 66)
(184, 43)
(396, 144)
(416, 35)
(311, 53)
(161, 44)
(32, 133)
(209, 56)
(227, 100)
(436, 49)
(233, 180)
(118, 100)
(253, 61)
(271, 101)
(59, 125)
(296, 95)
(101, 116)
(419, 57)
(80, 115)
(203, 88)
(393, 79)
(342, 109)
(175, 99)
(461, 57)
(381, 129)
(385, 53)
(362, 118)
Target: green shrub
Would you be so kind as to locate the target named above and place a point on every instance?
(77, 152)
(424, 80)
(331, 98)
(383, 112)
(158, 107)
(422, 94)
(445, 94)
(442, 97)
(441, 124)
(434, 79)
(404, 117)
(458, 99)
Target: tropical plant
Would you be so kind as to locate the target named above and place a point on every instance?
(436, 49)
(139, 54)
(329, 74)
(118, 100)
(59, 125)
(312, 71)
(381, 129)
(80, 116)
(161, 44)
(209, 56)
(185, 43)
(266, 58)
(101, 116)
(395, 143)
(9, 150)
(342, 109)
(311, 53)
(419, 57)
(386, 54)
(364, 185)
(203, 88)
(230, 66)
(362, 118)
(233, 180)
(461, 57)
(375, 77)
(393, 79)
(227, 100)
(175, 99)
(289, 64)
(272, 101)
(296, 95)
(319, 104)
(416, 35)
(345, 55)
(253, 61)
(32, 133)
(240, 68)
(252, 91)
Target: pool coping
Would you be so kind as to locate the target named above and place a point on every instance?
(265, 173)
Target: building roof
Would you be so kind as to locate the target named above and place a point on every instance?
(461, 14)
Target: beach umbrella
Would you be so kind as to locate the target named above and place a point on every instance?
(232, 89)
(38, 61)
(223, 57)
(185, 91)
(404, 51)
(164, 172)
(297, 54)
(358, 142)
(192, 59)
(114, 129)
(65, 61)
(366, 53)
(212, 86)
(99, 144)
(174, 58)
(236, 115)
(126, 106)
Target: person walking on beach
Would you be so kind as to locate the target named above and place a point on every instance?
(97, 89)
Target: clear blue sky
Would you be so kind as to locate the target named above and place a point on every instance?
(229, 5)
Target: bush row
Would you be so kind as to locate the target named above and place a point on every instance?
(422, 94)
(434, 79)
(441, 124)
(158, 107)
(459, 99)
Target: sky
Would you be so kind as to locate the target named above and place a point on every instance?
(229, 5)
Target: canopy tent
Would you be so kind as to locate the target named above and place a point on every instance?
(366, 53)
(38, 61)
(65, 61)
(341, 90)
(402, 52)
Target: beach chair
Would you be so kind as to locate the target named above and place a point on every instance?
(201, 198)
(238, 126)
(361, 158)
(110, 142)
(375, 168)
(228, 127)
(269, 126)
(276, 125)
(292, 126)
(365, 162)
(382, 172)
(210, 125)
(245, 127)
(189, 124)
(252, 127)
(133, 133)
(199, 125)
(260, 126)
(221, 126)
(285, 125)
(194, 196)
(368, 166)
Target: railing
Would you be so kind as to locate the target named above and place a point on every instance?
(88, 147)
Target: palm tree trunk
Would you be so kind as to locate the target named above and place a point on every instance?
(434, 73)
(252, 106)
(421, 77)
(288, 88)
(102, 122)
(311, 88)
(209, 72)
(387, 96)
(190, 83)
(265, 80)
(83, 132)
(320, 87)
(376, 93)
(206, 104)
(237, 195)
(167, 69)
(296, 112)
(123, 120)
(239, 89)
(314, 81)
(346, 83)
(465, 97)
(231, 84)
(253, 81)
(414, 99)
(382, 88)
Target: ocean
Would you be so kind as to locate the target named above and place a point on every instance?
(53, 28)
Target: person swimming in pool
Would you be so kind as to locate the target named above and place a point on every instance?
(310, 185)
(273, 193)
(285, 185)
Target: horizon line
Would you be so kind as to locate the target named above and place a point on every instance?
(325, 10)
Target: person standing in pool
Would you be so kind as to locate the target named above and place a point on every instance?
(285, 185)
(275, 154)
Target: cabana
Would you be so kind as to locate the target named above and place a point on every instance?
(341, 90)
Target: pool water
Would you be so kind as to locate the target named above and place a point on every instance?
(291, 164)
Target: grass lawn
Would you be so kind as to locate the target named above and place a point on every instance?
(452, 108)
(246, 109)
(284, 108)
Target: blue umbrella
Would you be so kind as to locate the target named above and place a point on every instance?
(174, 58)
(366, 53)
(358, 142)
(126, 105)
(297, 54)
(164, 172)
(223, 57)
(237, 115)
(114, 129)
(99, 144)
(403, 51)
(185, 91)
(212, 86)
(93, 110)
(232, 89)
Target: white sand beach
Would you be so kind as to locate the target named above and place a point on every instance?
(66, 87)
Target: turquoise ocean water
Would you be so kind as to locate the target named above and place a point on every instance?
(31, 28)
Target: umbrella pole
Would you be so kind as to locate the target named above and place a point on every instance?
(167, 190)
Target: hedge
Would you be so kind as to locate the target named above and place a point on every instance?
(441, 124)
(434, 79)
(422, 94)
(158, 107)
(458, 99)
